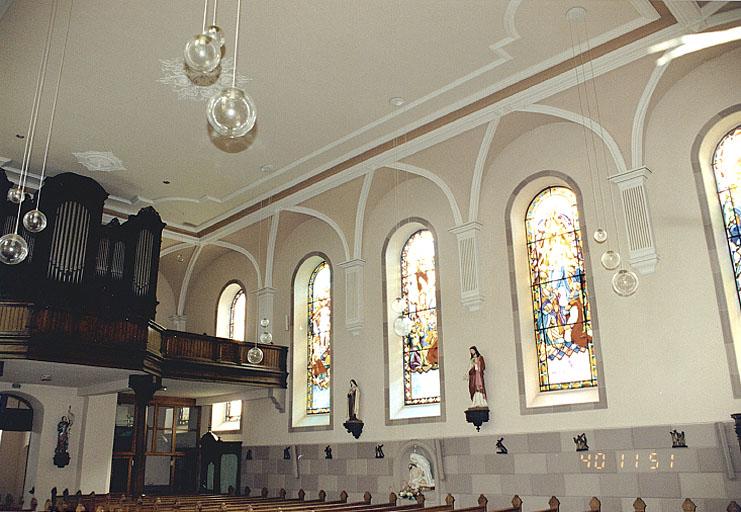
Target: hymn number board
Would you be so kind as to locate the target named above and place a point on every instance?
(635, 461)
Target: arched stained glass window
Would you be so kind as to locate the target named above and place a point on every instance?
(237, 311)
(319, 302)
(727, 172)
(419, 288)
(561, 312)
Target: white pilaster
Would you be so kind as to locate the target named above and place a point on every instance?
(178, 322)
(265, 298)
(642, 249)
(468, 263)
(354, 290)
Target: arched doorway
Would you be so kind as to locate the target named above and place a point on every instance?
(16, 424)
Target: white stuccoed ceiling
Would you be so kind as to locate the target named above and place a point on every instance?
(321, 72)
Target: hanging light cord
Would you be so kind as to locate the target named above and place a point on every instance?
(213, 17)
(236, 44)
(34, 113)
(205, 14)
(54, 105)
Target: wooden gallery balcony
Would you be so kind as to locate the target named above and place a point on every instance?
(45, 333)
(86, 294)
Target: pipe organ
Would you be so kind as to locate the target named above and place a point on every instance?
(77, 263)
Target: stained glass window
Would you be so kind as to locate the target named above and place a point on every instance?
(318, 399)
(237, 311)
(727, 171)
(561, 312)
(419, 288)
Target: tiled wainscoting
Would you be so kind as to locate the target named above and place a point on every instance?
(620, 465)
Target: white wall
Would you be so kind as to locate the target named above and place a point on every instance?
(662, 349)
(90, 442)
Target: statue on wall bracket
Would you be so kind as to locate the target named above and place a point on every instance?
(354, 425)
(478, 412)
(61, 452)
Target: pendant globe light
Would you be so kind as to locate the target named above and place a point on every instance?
(202, 52)
(231, 113)
(13, 247)
(35, 220)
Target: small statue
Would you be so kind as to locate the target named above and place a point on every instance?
(61, 452)
(379, 451)
(287, 453)
(581, 443)
(354, 425)
(476, 386)
(678, 439)
(501, 449)
(328, 452)
(248, 456)
(478, 413)
(353, 400)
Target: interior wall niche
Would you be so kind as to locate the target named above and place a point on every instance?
(429, 449)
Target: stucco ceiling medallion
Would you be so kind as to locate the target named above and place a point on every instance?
(104, 161)
(198, 87)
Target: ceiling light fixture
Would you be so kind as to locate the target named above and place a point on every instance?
(203, 52)
(231, 113)
(397, 101)
(266, 168)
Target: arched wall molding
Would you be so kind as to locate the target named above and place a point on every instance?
(326, 219)
(174, 248)
(478, 172)
(539, 180)
(437, 180)
(217, 306)
(186, 279)
(303, 269)
(244, 252)
(587, 122)
(360, 214)
(395, 239)
(707, 139)
(639, 119)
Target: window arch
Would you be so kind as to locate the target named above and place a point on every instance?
(413, 336)
(311, 354)
(319, 349)
(418, 289)
(558, 288)
(231, 312)
(726, 165)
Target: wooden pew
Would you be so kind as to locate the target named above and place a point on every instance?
(516, 505)
(594, 505)
(553, 505)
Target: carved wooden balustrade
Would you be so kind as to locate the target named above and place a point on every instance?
(28, 331)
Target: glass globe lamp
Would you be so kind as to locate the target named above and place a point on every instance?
(610, 260)
(625, 283)
(402, 326)
(264, 323)
(255, 355)
(15, 195)
(215, 32)
(266, 337)
(34, 221)
(398, 305)
(202, 53)
(600, 235)
(231, 113)
(13, 249)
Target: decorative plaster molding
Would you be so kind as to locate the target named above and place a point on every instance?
(360, 215)
(642, 248)
(478, 170)
(468, 264)
(639, 119)
(326, 219)
(186, 279)
(206, 86)
(437, 180)
(103, 161)
(354, 294)
(178, 322)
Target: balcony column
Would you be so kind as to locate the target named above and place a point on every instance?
(178, 322)
(144, 387)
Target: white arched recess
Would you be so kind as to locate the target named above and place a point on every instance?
(532, 400)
